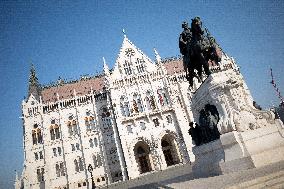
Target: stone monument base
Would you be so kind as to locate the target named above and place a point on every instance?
(250, 137)
(236, 151)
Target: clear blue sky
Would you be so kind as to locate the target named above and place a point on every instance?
(69, 40)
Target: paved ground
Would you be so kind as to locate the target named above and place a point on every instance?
(271, 176)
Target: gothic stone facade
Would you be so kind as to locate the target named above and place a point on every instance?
(124, 123)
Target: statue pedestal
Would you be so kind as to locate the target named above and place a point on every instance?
(224, 155)
(249, 137)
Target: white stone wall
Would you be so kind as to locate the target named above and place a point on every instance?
(115, 142)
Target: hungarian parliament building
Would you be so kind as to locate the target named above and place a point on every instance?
(116, 126)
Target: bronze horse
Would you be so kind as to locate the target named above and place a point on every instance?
(197, 48)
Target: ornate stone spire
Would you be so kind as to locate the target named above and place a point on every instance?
(106, 69)
(124, 33)
(34, 86)
(158, 57)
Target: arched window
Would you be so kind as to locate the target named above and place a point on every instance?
(156, 122)
(129, 128)
(137, 103)
(95, 142)
(72, 126)
(54, 130)
(97, 160)
(90, 121)
(142, 125)
(150, 101)
(169, 119)
(124, 106)
(40, 174)
(162, 96)
(91, 143)
(127, 68)
(57, 170)
(34, 136)
(37, 135)
(81, 167)
(60, 169)
(140, 65)
(78, 164)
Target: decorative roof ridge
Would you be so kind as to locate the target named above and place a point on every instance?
(63, 82)
(171, 58)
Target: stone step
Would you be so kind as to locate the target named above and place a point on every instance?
(275, 180)
(180, 176)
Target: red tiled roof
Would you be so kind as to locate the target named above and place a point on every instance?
(174, 66)
(82, 87)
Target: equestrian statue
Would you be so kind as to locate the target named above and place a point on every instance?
(198, 49)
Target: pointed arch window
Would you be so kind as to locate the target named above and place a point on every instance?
(124, 106)
(40, 174)
(78, 162)
(95, 142)
(137, 103)
(72, 126)
(129, 128)
(127, 68)
(150, 101)
(60, 169)
(140, 65)
(76, 165)
(97, 160)
(54, 130)
(90, 121)
(163, 97)
(169, 119)
(36, 135)
(142, 125)
(91, 143)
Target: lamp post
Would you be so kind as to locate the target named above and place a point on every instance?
(90, 169)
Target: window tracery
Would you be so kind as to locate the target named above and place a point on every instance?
(78, 164)
(90, 121)
(162, 96)
(36, 135)
(97, 160)
(127, 68)
(40, 174)
(137, 103)
(93, 142)
(124, 106)
(140, 65)
(60, 169)
(156, 122)
(72, 126)
(150, 101)
(54, 130)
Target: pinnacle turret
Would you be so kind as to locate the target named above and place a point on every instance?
(157, 56)
(105, 67)
(34, 86)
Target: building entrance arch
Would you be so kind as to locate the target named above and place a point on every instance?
(170, 150)
(142, 156)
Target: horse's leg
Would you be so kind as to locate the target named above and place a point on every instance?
(199, 72)
(190, 75)
(205, 65)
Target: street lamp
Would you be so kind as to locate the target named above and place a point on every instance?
(90, 169)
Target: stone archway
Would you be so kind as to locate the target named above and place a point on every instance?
(142, 156)
(170, 151)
